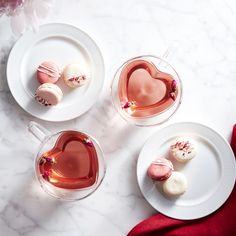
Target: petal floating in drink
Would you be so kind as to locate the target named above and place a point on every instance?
(46, 175)
(127, 104)
(51, 160)
(174, 85)
(172, 95)
(88, 142)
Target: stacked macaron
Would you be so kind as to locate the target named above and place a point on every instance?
(174, 183)
(160, 169)
(48, 74)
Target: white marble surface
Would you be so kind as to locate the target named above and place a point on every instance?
(206, 61)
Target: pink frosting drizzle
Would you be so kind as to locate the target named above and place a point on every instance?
(48, 71)
(162, 163)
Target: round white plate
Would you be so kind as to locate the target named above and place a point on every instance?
(62, 44)
(211, 173)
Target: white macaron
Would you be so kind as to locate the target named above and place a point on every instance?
(73, 76)
(48, 94)
(183, 149)
(176, 184)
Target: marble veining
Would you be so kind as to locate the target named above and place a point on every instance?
(205, 59)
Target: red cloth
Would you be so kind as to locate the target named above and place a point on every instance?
(220, 223)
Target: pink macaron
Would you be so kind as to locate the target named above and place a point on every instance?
(48, 94)
(160, 169)
(48, 72)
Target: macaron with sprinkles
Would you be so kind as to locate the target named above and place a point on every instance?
(48, 94)
(183, 149)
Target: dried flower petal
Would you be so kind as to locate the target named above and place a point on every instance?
(42, 161)
(173, 96)
(46, 175)
(88, 142)
(127, 104)
(173, 85)
(51, 160)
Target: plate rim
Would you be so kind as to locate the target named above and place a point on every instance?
(13, 93)
(196, 124)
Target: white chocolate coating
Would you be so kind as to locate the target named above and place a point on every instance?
(183, 149)
(73, 77)
(176, 184)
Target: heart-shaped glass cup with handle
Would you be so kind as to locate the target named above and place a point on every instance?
(69, 164)
(146, 90)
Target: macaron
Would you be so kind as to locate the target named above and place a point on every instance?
(176, 184)
(73, 76)
(48, 72)
(48, 94)
(160, 169)
(183, 149)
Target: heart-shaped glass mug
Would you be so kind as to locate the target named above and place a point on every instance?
(146, 90)
(69, 164)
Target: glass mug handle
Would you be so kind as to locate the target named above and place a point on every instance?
(170, 52)
(38, 131)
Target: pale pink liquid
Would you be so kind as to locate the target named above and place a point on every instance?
(150, 90)
(72, 163)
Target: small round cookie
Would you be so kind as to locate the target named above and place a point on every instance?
(160, 169)
(48, 94)
(176, 184)
(183, 149)
(48, 72)
(73, 77)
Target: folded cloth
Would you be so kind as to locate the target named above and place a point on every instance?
(233, 140)
(220, 223)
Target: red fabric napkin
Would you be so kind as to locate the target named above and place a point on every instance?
(220, 223)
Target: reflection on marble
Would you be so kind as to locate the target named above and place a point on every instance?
(206, 61)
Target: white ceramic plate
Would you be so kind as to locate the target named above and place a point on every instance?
(211, 173)
(62, 44)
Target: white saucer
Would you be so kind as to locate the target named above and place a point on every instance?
(62, 44)
(211, 173)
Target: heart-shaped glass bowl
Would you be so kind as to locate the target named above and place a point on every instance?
(84, 166)
(153, 68)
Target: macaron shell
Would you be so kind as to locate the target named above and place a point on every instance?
(48, 72)
(176, 184)
(48, 94)
(160, 169)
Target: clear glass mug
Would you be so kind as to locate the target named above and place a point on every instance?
(154, 119)
(48, 142)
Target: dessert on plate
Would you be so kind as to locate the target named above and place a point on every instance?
(175, 185)
(48, 94)
(183, 149)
